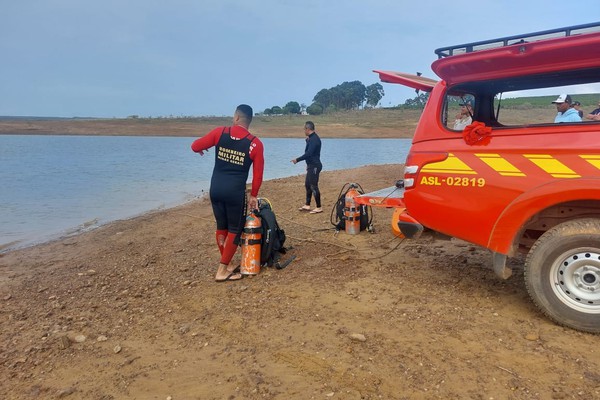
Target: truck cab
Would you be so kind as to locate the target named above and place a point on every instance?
(504, 175)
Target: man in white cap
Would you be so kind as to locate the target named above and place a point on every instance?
(565, 112)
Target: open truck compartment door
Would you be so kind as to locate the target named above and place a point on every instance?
(413, 81)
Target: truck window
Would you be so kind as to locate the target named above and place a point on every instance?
(458, 111)
(531, 107)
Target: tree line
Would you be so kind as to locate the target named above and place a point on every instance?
(345, 96)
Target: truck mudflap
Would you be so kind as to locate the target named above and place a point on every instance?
(500, 268)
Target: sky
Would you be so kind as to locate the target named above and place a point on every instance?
(150, 58)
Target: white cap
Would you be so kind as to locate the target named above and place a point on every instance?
(563, 98)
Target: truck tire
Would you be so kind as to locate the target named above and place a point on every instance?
(562, 274)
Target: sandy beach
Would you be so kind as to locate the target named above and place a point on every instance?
(131, 311)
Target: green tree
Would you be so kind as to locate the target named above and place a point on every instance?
(291, 107)
(419, 101)
(374, 94)
(315, 109)
(276, 110)
(350, 95)
(323, 97)
(268, 111)
(345, 96)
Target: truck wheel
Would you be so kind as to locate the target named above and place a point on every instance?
(562, 274)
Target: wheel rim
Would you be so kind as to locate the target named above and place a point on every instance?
(577, 280)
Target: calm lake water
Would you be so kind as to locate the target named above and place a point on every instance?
(52, 186)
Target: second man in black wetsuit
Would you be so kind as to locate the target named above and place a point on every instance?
(312, 156)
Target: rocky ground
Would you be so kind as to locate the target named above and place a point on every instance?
(131, 310)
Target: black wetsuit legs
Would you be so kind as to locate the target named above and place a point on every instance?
(230, 211)
(311, 184)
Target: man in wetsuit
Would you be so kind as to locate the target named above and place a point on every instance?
(235, 151)
(312, 155)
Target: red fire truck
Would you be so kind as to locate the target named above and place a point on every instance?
(513, 179)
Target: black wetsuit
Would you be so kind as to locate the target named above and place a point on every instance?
(228, 183)
(312, 155)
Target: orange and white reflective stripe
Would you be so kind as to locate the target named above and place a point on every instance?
(500, 164)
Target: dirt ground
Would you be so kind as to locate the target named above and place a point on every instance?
(130, 310)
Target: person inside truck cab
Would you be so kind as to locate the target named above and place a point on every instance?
(577, 105)
(565, 112)
(465, 116)
(594, 115)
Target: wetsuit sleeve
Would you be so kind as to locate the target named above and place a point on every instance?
(206, 142)
(311, 148)
(258, 166)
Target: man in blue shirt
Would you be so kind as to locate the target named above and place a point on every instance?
(565, 112)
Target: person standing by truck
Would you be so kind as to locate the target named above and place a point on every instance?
(312, 156)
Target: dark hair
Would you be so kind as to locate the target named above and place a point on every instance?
(245, 111)
(310, 125)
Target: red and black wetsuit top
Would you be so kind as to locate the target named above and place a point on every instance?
(232, 166)
(239, 135)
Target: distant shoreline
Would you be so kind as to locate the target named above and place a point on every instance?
(379, 123)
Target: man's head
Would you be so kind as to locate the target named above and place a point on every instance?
(563, 102)
(309, 127)
(466, 107)
(243, 115)
(576, 105)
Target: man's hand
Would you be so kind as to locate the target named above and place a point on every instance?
(253, 203)
(294, 161)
